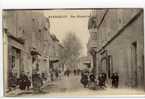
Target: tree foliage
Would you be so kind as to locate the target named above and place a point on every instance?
(72, 50)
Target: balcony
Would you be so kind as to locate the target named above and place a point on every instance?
(92, 24)
(92, 43)
(34, 51)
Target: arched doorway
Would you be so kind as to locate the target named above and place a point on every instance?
(106, 64)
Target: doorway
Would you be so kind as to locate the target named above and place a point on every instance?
(110, 66)
(143, 72)
(104, 65)
(134, 64)
(16, 61)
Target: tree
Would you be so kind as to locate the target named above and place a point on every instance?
(72, 50)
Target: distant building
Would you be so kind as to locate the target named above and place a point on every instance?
(84, 63)
(55, 59)
(116, 44)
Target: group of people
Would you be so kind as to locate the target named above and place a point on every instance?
(76, 71)
(23, 81)
(55, 74)
(69, 72)
(89, 80)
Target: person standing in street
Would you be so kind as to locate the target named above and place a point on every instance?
(104, 77)
(28, 81)
(75, 72)
(101, 80)
(92, 81)
(23, 81)
(37, 81)
(115, 80)
(84, 79)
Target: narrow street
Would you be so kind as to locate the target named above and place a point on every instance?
(49, 54)
(71, 83)
(71, 86)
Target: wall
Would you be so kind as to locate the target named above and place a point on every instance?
(28, 26)
(120, 47)
(113, 21)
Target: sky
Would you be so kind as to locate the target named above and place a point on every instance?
(65, 21)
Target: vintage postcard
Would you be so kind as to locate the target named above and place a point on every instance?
(73, 52)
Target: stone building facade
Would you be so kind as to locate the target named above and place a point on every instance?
(54, 57)
(119, 44)
(30, 43)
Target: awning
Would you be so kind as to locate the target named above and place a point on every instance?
(88, 64)
(19, 40)
(53, 59)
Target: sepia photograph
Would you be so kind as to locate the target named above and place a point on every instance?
(73, 52)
